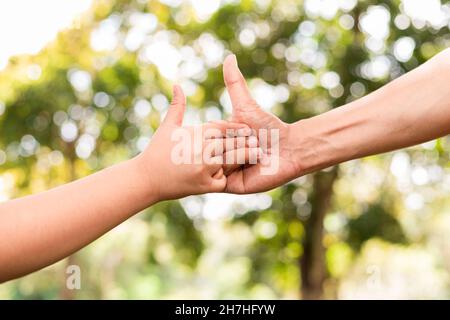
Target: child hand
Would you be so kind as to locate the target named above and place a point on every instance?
(182, 161)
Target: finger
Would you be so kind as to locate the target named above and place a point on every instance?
(213, 164)
(236, 158)
(220, 145)
(218, 185)
(222, 128)
(218, 174)
(177, 107)
(236, 182)
(235, 83)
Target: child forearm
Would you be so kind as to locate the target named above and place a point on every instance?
(40, 229)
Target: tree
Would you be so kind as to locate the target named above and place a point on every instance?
(95, 95)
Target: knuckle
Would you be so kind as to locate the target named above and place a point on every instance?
(248, 106)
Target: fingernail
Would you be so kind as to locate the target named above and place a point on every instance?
(233, 59)
(244, 132)
(264, 159)
(260, 153)
(175, 91)
(252, 142)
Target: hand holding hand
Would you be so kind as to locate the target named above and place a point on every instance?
(182, 161)
(278, 152)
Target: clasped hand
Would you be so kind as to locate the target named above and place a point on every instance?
(219, 156)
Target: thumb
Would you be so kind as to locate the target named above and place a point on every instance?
(235, 83)
(177, 107)
(218, 184)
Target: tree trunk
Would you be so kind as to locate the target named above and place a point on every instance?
(312, 262)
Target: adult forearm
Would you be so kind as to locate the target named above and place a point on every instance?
(40, 229)
(411, 109)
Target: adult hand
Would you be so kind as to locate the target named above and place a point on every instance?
(376, 123)
(278, 153)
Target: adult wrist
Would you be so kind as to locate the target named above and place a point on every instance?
(303, 148)
(319, 142)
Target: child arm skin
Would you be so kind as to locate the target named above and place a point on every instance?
(38, 230)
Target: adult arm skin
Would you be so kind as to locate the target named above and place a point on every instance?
(38, 230)
(409, 110)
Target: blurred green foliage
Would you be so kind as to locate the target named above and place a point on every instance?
(98, 99)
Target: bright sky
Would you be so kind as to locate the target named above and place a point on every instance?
(26, 26)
